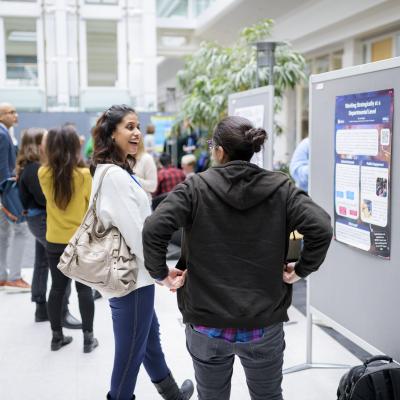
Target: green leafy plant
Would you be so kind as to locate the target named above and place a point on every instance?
(214, 72)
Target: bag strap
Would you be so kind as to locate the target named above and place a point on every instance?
(92, 207)
(96, 195)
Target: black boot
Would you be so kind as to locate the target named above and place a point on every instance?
(169, 390)
(70, 322)
(59, 340)
(41, 312)
(89, 342)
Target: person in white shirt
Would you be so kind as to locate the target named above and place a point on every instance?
(145, 170)
(123, 203)
(149, 142)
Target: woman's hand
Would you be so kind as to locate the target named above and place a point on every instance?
(175, 279)
(289, 275)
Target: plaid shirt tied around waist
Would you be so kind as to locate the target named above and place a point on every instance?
(232, 335)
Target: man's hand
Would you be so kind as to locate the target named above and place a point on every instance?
(175, 279)
(289, 275)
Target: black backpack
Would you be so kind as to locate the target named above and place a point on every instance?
(377, 379)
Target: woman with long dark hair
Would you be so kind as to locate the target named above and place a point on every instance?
(123, 203)
(67, 187)
(30, 157)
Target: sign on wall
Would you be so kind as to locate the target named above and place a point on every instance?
(363, 149)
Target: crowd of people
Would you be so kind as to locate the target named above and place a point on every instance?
(232, 280)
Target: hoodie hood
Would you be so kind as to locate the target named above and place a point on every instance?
(243, 185)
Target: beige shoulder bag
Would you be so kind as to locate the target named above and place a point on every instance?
(98, 257)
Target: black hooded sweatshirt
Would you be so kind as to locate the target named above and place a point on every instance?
(237, 219)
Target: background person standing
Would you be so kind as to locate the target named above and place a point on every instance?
(14, 235)
(299, 165)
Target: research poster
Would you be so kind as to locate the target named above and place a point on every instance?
(255, 114)
(363, 143)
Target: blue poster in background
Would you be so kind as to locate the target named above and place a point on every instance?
(363, 143)
(163, 125)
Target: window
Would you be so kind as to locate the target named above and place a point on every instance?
(201, 5)
(317, 65)
(172, 8)
(337, 60)
(21, 51)
(182, 8)
(102, 60)
(382, 49)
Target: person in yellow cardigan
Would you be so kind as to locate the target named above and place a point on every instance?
(66, 185)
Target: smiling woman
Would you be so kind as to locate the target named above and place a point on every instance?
(124, 204)
(114, 138)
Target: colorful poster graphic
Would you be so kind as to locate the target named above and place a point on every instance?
(163, 125)
(363, 143)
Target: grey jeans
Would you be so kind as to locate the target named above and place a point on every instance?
(261, 359)
(15, 235)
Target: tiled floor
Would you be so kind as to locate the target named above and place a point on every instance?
(30, 371)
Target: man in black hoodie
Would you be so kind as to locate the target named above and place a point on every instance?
(237, 219)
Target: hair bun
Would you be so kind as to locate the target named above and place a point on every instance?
(257, 137)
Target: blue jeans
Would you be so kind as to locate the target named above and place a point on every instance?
(261, 359)
(14, 236)
(137, 340)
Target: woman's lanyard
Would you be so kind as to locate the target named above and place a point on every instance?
(133, 177)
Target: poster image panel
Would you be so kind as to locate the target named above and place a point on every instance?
(363, 151)
(163, 125)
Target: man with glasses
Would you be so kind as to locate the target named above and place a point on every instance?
(14, 234)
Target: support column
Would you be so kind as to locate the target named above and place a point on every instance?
(61, 54)
(122, 52)
(352, 54)
(41, 63)
(83, 55)
(142, 81)
(50, 56)
(73, 55)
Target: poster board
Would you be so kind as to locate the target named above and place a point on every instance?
(353, 291)
(363, 149)
(257, 105)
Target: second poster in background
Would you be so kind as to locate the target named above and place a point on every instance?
(363, 143)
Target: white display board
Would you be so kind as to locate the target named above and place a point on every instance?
(353, 291)
(257, 105)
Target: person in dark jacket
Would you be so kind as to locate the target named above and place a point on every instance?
(236, 287)
(13, 237)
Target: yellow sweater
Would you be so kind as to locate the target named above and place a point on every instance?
(62, 224)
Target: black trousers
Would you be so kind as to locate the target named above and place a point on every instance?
(58, 289)
(37, 226)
